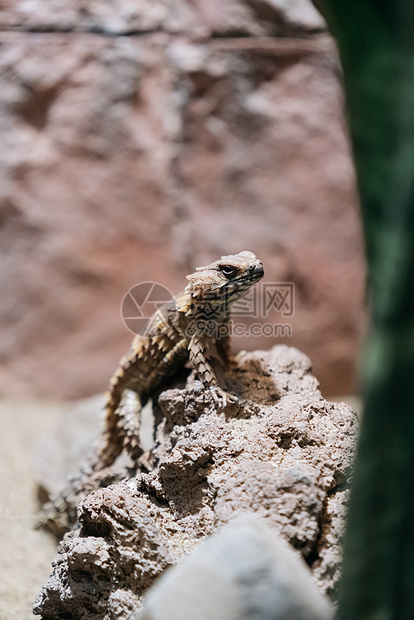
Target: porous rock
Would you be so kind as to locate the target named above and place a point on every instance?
(282, 452)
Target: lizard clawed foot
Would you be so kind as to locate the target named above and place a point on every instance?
(221, 398)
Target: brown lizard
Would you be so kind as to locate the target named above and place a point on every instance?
(188, 328)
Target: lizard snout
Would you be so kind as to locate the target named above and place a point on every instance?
(256, 270)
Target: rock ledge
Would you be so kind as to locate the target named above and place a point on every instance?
(283, 453)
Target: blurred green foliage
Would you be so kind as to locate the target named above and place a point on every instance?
(376, 44)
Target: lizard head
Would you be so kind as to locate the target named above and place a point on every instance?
(221, 283)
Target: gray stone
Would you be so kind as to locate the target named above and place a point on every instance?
(246, 571)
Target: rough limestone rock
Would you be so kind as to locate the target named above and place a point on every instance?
(246, 571)
(282, 452)
(212, 127)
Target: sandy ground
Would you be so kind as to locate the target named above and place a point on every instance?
(25, 553)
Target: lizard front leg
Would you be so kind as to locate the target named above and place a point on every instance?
(198, 357)
(197, 349)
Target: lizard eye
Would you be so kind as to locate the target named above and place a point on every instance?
(227, 270)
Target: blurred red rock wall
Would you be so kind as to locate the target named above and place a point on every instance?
(142, 139)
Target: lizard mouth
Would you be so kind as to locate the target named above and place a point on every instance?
(256, 272)
(253, 274)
